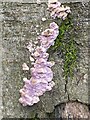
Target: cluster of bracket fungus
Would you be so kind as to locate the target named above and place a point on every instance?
(58, 10)
(41, 73)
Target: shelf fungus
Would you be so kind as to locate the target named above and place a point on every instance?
(58, 10)
(41, 73)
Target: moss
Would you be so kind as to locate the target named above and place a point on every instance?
(68, 47)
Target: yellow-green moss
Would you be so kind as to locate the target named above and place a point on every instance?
(68, 47)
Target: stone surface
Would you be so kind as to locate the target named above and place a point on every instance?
(72, 110)
(19, 26)
(1, 61)
(42, 1)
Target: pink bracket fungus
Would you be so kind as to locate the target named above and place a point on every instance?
(41, 73)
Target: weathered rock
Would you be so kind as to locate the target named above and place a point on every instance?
(19, 26)
(72, 110)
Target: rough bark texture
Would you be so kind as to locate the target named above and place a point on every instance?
(19, 26)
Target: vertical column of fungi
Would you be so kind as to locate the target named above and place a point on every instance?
(42, 75)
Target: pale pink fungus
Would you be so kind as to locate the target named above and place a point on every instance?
(42, 75)
(58, 10)
(25, 67)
